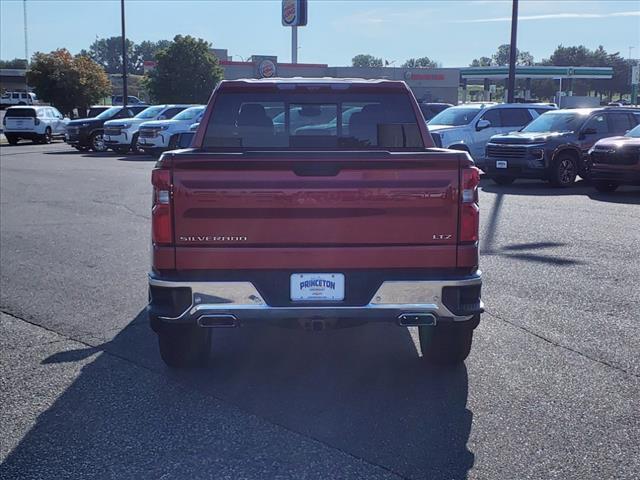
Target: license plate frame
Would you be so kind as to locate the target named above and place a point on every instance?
(502, 164)
(317, 287)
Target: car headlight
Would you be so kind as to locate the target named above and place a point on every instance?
(125, 125)
(163, 127)
(537, 153)
(84, 125)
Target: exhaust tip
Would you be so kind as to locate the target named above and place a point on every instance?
(218, 321)
(417, 320)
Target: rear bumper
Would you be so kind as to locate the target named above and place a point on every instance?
(29, 135)
(236, 303)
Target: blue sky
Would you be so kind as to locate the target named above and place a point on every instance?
(452, 32)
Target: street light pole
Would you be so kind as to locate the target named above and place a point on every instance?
(124, 58)
(512, 52)
(26, 45)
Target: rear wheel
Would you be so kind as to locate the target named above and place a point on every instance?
(564, 170)
(46, 138)
(605, 187)
(501, 180)
(446, 343)
(12, 139)
(97, 142)
(184, 346)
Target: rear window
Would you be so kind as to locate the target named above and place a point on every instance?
(291, 120)
(20, 112)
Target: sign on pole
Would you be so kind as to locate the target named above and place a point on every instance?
(294, 13)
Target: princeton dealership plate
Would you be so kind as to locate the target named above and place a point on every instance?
(501, 164)
(317, 286)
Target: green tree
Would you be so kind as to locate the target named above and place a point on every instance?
(186, 72)
(19, 63)
(67, 82)
(481, 62)
(108, 53)
(422, 62)
(147, 50)
(501, 57)
(365, 60)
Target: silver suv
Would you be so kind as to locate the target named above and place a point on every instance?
(470, 126)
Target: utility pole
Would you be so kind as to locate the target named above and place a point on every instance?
(512, 52)
(124, 58)
(26, 45)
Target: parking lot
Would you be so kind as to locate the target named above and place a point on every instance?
(550, 390)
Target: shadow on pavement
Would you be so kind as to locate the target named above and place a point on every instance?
(625, 194)
(362, 391)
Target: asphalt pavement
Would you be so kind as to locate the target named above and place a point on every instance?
(550, 390)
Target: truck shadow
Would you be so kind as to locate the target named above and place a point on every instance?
(625, 194)
(363, 392)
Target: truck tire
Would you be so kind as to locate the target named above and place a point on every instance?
(12, 139)
(446, 343)
(605, 187)
(97, 142)
(184, 346)
(502, 180)
(46, 137)
(564, 170)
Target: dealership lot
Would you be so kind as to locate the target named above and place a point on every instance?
(550, 390)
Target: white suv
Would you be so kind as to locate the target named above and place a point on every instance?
(122, 135)
(156, 137)
(40, 124)
(469, 126)
(17, 98)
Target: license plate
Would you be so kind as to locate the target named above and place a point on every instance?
(501, 164)
(317, 286)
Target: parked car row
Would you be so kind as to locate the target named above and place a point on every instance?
(536, 140)
(136, 128)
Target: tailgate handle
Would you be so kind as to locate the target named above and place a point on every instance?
(316, 170)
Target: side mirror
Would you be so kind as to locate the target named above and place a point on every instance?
(162, 117)
(588, 131)
(482, 124)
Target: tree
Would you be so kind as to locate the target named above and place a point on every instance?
(366, 60)
(501, 57)
(422, 62)
(108, 53)
(481, 62)
(67, 82)
(145, 51)
(186, 72)
(18, 63)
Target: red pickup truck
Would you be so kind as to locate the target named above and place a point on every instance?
(318, 203)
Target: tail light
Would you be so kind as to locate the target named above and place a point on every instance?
(469, 210)
(161, 221)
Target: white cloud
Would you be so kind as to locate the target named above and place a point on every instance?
(552, 16)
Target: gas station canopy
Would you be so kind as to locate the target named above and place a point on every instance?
(482, 73)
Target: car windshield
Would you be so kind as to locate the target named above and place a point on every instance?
(109, 113)
(189, 113)
(634, 132)
(555, 122)
(150, 112)
(455, 116)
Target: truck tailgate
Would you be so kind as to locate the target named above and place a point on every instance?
(254, 202)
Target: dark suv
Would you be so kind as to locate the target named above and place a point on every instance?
(87, 133)
(615, 161)
(554, 146)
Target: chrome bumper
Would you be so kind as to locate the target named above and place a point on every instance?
(237, 303)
